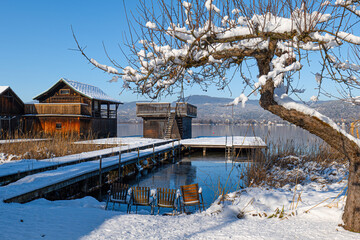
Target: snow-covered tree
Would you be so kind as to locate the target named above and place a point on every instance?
(197, 42)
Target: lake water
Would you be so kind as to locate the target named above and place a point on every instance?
(272, 133)
(213, 172)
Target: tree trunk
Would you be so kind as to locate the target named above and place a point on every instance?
(351, 216)
(334, 138)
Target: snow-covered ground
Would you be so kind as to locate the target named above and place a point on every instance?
(310, 207)
(21, 140)
(86, 218)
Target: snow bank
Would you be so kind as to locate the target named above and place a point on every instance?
(86, 219)
(311, 210)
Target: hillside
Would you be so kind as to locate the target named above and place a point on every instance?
(213, 110)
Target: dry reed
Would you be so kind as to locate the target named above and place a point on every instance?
(289, 156)
(42, 147)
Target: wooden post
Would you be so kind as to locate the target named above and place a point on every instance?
(173, 149)
(204, 151)
(138, 154)
(226, 146)
(100, 169)
(154, 151)
(100, 177)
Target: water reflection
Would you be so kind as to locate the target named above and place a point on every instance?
(212, 172)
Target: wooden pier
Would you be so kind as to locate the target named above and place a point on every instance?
(69, 179)
(228, 144)
(41, 184)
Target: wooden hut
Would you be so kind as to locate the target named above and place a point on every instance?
(160, 120)
(70, 106)
(11, 110)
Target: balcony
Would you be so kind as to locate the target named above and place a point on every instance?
(164, 109)
(58, 109)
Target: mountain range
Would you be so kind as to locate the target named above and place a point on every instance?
(214, 110)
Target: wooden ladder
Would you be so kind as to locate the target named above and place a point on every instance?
(170, 124)
(180, 126)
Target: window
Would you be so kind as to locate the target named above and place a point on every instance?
(65, 91)
(58, 126)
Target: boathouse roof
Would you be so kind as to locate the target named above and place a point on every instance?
(87, 90)
(3, 89)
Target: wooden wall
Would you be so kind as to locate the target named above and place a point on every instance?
(10, 104)
(154, 127)
(104, 127)
(187, 129)
(58, 95)
(53, 125)
(11, 110)
(75, 109)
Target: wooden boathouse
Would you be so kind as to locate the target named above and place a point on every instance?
(161, 120)
(73, 107)
(11, 111)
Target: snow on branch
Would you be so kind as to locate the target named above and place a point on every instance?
(288, 103)
(242, 98)
(280, 66)
(105, 68)
(350, 5)
(187, 39)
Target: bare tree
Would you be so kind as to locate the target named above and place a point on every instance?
(182, 43)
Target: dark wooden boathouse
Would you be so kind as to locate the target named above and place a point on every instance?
(11, 111)
(73, 107)
(160, 120)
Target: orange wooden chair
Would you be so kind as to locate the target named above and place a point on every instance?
(166, 198)
(191, 196)
(118, 193)
(140, 196)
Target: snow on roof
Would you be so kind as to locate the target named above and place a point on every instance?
(89, 91)
(3, 88)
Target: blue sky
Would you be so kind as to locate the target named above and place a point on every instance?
(36, 38)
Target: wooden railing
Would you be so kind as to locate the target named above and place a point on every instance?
(164, 109)
(58, 109)
(150, 109)
(186, 109)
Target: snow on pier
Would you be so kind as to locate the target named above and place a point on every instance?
(224, 142)
(49, 175)
(33, 186)
(14, 170)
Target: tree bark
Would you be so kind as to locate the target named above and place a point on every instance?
(334, 138)
(351, 216)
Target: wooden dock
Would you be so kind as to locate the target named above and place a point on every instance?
(38, 185)
(16, 173)
(94, 169)
(230, 143)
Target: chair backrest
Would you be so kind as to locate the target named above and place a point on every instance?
(190, 193)
(141, 195)
(166, 197)
(119, 191)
